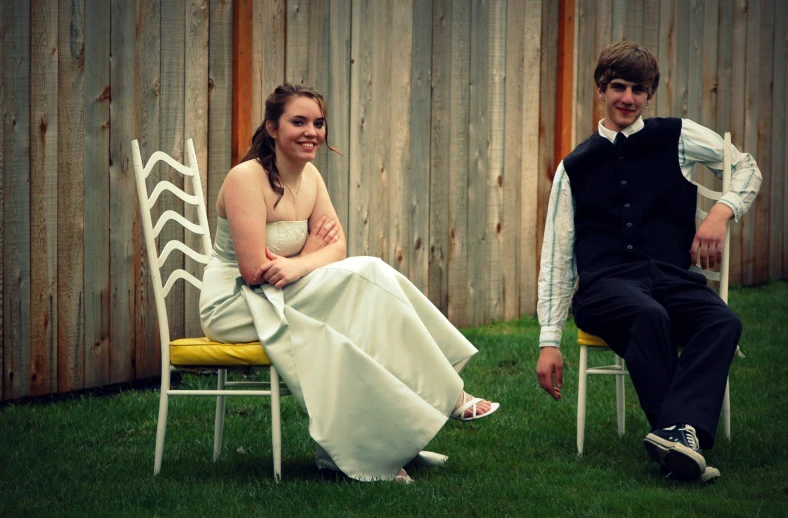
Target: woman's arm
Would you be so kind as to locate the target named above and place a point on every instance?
(243, 197)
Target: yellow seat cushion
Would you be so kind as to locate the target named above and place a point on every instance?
(584, 338)
(201, 351)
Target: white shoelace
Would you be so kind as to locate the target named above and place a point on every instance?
(691, 438)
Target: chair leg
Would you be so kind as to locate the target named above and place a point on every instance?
(581, 398)
(219, 421)
(161, 429)
(276, 432)
(620, 397)
(726, 410)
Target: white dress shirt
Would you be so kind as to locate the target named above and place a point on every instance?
(697, 144)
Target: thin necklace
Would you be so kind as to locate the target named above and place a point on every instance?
(298, 188)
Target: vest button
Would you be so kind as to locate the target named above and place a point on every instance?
(629, 224)
(621, 158)
(629, 247)
(627, 205)
(623, 182)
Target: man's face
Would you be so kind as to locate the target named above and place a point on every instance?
(624, 103)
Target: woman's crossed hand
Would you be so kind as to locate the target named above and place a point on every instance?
(280, 271)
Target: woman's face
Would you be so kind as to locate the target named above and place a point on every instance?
(301, 131)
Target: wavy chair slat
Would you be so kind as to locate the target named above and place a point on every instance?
(707, 193)
(177, 245)
(172, 215)
(161, 156)
(164, 185)
(180, 274)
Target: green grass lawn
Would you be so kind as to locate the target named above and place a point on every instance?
(92, 455)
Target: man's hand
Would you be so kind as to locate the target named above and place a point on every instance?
(550, 371)
(709, 240)
(324, 233)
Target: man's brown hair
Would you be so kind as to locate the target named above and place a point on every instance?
(629, 61)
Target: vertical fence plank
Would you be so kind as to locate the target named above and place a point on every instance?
(3, 305)
(619, 11)
(336, 174)
(269, 44)
(243, 56)
(440, 153)
(96, 193)
(514, 117)
(778, 230)
(547, 128)
(420, 143)
(173, 136)
(529, 182)
(197, 14)
(357, 230)
(765, 111)
(604, 36)
(751, 113)
(680, 58)
(148, 85)
(123, 200)
(662, 102)
(635, 26)
(459, 153)
(651, 42)
(297, 40)
(220, 93)
(477, 236)
(16, 195)
(737, 105)
(708, 100)
(43, 375)
(318, 66)
(399, 127)
(493, 243)
(585, 98)
(378, 165)
(70, 201)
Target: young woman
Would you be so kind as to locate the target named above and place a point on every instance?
(369, 358)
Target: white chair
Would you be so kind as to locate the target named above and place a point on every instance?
(190, 352)
(588, 342)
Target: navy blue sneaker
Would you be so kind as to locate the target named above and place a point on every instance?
(676, 448)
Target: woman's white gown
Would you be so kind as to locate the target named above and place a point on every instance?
(364, 352)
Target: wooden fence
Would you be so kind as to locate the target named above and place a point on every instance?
(445, 112)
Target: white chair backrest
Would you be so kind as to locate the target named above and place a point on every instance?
(720, 276)
(151, 232)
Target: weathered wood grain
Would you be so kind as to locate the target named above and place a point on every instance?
(197, 30)
(459, 298)
(335, 172)
(751, 116)
(96, 193)
(529, 180)
(124, 119)
(173, 135)
(70, 201)
(778, 221)
(419, 166)
(16, 200)
(440, 154)
(43, 375)
(762, 208)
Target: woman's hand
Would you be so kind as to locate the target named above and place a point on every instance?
(280, 271)
(324, 233)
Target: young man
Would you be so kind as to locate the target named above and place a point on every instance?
(622, 216)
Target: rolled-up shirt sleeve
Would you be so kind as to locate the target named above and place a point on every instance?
(700, 145)
(557, 272)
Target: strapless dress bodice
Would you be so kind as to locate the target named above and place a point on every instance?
(285, 238)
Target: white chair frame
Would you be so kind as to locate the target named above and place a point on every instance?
(273, 389)
(618, 369)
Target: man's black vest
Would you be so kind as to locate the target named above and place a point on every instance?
(632, 202)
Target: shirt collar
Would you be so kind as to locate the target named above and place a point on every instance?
(628, 131)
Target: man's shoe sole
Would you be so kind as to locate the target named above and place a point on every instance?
(683, 462)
